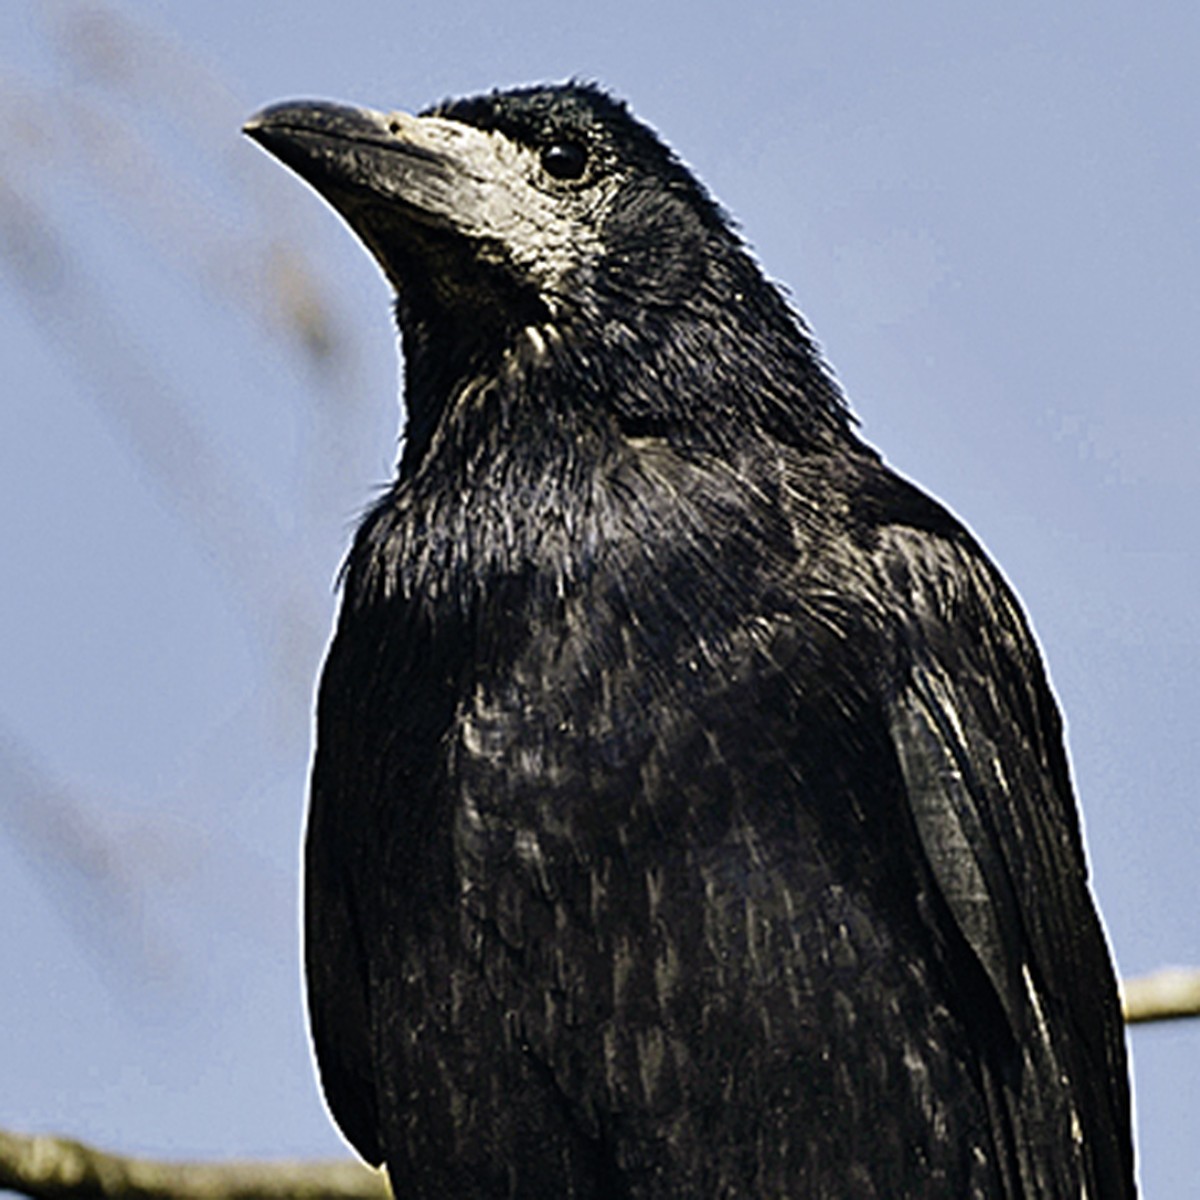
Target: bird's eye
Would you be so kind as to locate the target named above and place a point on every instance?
(564, 160)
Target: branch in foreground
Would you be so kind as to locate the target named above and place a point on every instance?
(50, 1168)
(1165, 995)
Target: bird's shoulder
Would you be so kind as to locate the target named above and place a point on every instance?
(978, 737)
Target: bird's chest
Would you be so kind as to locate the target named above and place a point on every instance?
(601, 730)
(650, 738)
(619, 766)
(637, 829)
(620, 832)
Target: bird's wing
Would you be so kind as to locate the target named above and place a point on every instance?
(338, 996)
(336, 971)
(979, 740)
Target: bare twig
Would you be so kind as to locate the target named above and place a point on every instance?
(91, 874)
(1166, 995)
(51, 1168)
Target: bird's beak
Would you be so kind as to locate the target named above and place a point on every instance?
(392, 176)
(356, 155)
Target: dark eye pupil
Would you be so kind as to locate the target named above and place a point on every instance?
(564, 160)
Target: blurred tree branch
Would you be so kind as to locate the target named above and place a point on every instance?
(1165, 995)
(51, 1168)
(122, 95)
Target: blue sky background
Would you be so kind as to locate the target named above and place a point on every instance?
(987, 212)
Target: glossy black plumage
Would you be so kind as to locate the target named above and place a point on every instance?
(690, 815)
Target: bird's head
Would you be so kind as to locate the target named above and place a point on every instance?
(549, 221)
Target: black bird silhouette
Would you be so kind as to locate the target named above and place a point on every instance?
(690, 815)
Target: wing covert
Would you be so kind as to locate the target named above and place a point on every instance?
(979, 740)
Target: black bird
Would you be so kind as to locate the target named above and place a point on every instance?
(690, 815)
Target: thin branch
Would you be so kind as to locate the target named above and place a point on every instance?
(51, 1168)
(1166, 995)
(91, 873)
